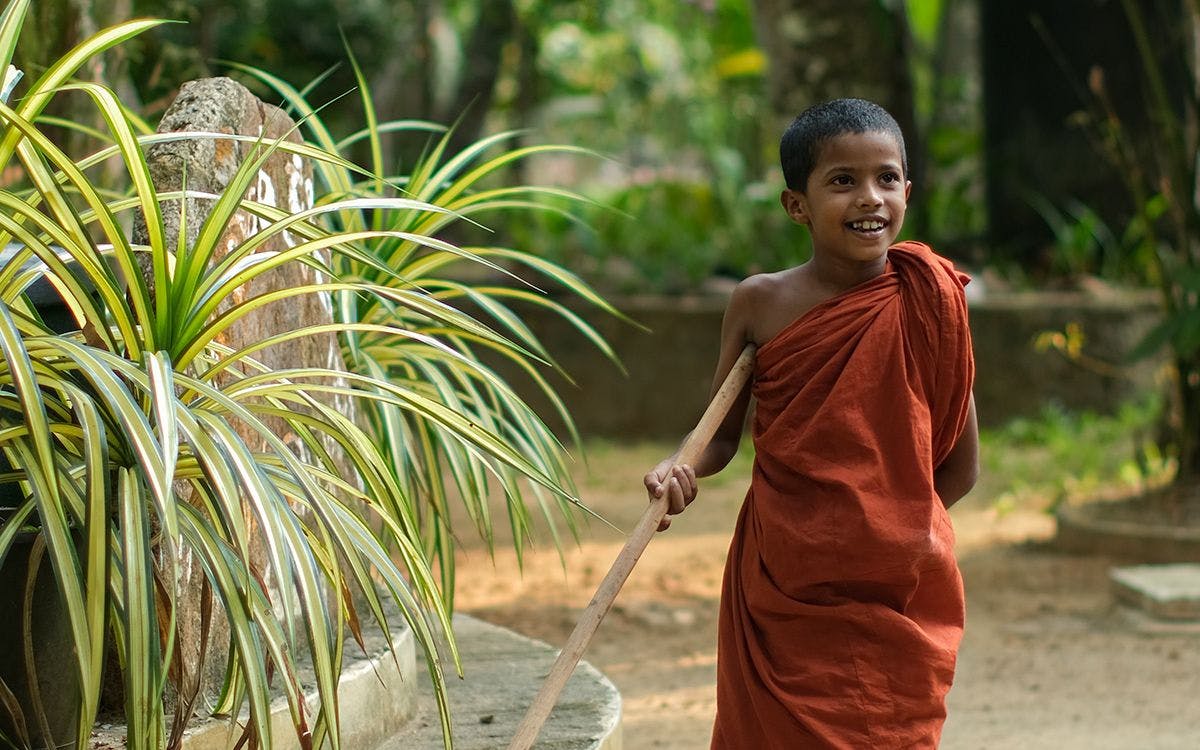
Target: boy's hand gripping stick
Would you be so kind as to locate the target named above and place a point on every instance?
(602, 601)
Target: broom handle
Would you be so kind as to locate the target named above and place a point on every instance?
(602, 601)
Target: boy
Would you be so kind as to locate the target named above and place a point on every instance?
(842, 604)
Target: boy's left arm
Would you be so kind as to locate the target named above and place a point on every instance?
(955, 477)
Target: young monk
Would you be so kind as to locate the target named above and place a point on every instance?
(842, 604)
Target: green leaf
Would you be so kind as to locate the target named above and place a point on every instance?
(11, 22)
(143, 667)
(39, 94)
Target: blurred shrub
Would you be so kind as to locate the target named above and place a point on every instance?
(668, 236)
(664, 230)
(1061, 455)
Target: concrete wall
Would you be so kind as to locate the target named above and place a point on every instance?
(670, 367)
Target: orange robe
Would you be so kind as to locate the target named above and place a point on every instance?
(842, 603)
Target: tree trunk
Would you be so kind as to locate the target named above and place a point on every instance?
(493, 28)
(528, 94)
(827, 49)
(953, 202)
(1186, 437)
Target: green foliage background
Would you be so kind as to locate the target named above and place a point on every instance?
(670, 91)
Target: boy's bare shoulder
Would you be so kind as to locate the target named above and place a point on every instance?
(767, 287)
(764, 303)
(754, 293)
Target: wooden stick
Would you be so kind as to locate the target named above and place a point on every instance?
(606, 594)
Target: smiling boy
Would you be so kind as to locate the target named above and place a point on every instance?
(842, 604)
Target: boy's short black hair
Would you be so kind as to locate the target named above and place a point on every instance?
(801, 142)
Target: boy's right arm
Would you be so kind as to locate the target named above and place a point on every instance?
(680, 481)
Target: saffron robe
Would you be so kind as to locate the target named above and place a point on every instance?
(842, 604)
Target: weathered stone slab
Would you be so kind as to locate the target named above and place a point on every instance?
(1170, 592)
(207, 165)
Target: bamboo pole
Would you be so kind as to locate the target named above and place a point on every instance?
(606, 593)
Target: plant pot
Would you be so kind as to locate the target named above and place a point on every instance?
(54, 669)
(40, 612)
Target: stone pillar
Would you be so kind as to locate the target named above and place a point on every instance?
(225, 106)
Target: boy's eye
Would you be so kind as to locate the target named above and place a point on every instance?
(889, 178)
(842, 179)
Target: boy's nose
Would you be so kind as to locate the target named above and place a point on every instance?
(869, 198)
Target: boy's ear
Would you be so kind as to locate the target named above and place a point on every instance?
(793, 203)
(907, 190)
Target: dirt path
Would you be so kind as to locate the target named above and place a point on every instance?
(1048, 661)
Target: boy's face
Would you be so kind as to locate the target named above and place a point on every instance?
(855, 198)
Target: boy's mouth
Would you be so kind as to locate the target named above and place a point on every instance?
(868, 226)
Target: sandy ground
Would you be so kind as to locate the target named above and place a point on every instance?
(1049, 659)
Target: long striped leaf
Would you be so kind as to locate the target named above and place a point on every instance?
(63, 68)
(10, 28)
(95, 551)
(143, 668)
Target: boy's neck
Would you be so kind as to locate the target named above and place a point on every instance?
(840, 275)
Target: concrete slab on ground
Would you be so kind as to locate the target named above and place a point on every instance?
(1170, 592)
(504, 672)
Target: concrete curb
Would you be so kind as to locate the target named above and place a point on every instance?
(1081, 530)
(375, 696)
